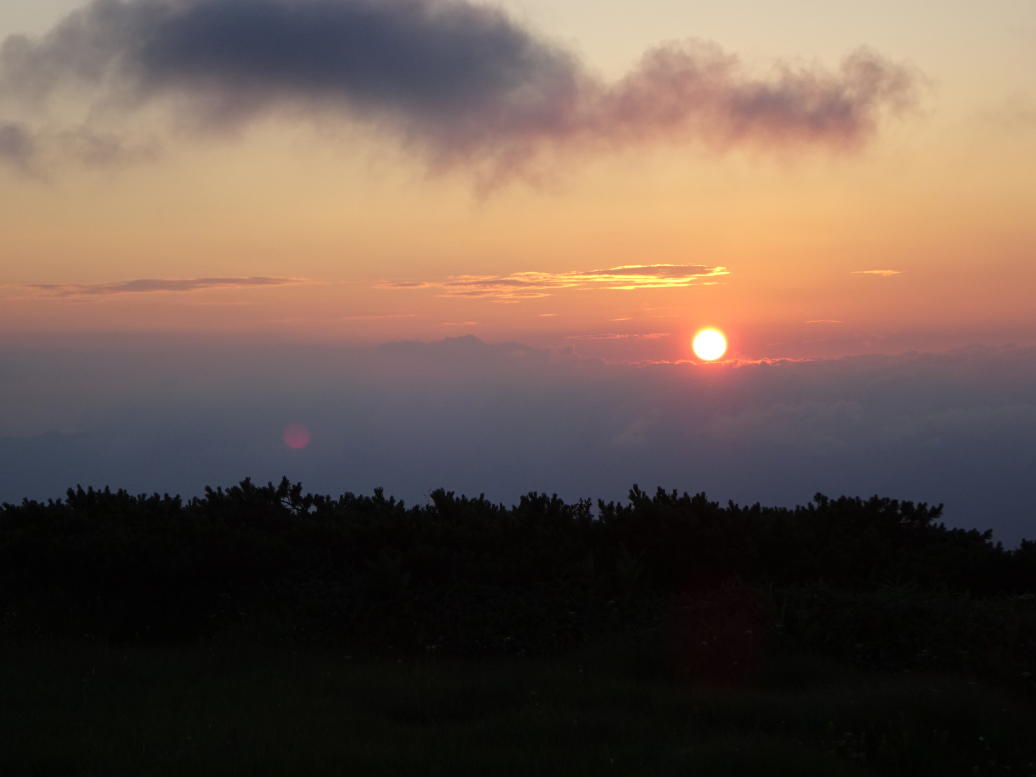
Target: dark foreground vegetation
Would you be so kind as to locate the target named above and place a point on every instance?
(262, 630)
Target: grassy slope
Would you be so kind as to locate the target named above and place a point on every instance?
(218, 710)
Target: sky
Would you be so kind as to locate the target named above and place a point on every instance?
(400, 201)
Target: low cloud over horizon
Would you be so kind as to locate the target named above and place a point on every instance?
(466, 83)
(503, 419)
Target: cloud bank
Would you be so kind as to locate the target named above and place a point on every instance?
(463, 82)
(158, 414)
(520, 286)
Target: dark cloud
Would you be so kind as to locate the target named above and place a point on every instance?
(697, 88)
(150, 285)
(461, 80)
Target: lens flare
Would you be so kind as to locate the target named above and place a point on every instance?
(296, 437)
(709, 344)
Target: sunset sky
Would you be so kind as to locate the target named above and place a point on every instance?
(590, 180)
(371, 215)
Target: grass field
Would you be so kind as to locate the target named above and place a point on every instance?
(217, 709)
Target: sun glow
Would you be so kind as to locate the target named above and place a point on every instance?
(709, 344)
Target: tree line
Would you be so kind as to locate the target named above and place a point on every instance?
(878, 581)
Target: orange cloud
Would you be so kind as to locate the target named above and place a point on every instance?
(521, 286)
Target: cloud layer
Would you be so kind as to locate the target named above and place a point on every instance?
(520, 286)
(161, 414)
(462, 81)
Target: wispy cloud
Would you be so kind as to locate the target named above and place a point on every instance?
(880, 273)
(520, 286)
(155, 285)
(1016, 111)
(824, 321)
(461, 80)
(32, 151)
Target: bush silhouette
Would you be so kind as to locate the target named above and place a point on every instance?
(878, 581)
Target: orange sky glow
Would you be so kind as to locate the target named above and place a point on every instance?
(906, 226)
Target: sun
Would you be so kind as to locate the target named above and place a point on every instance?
(709, 344)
